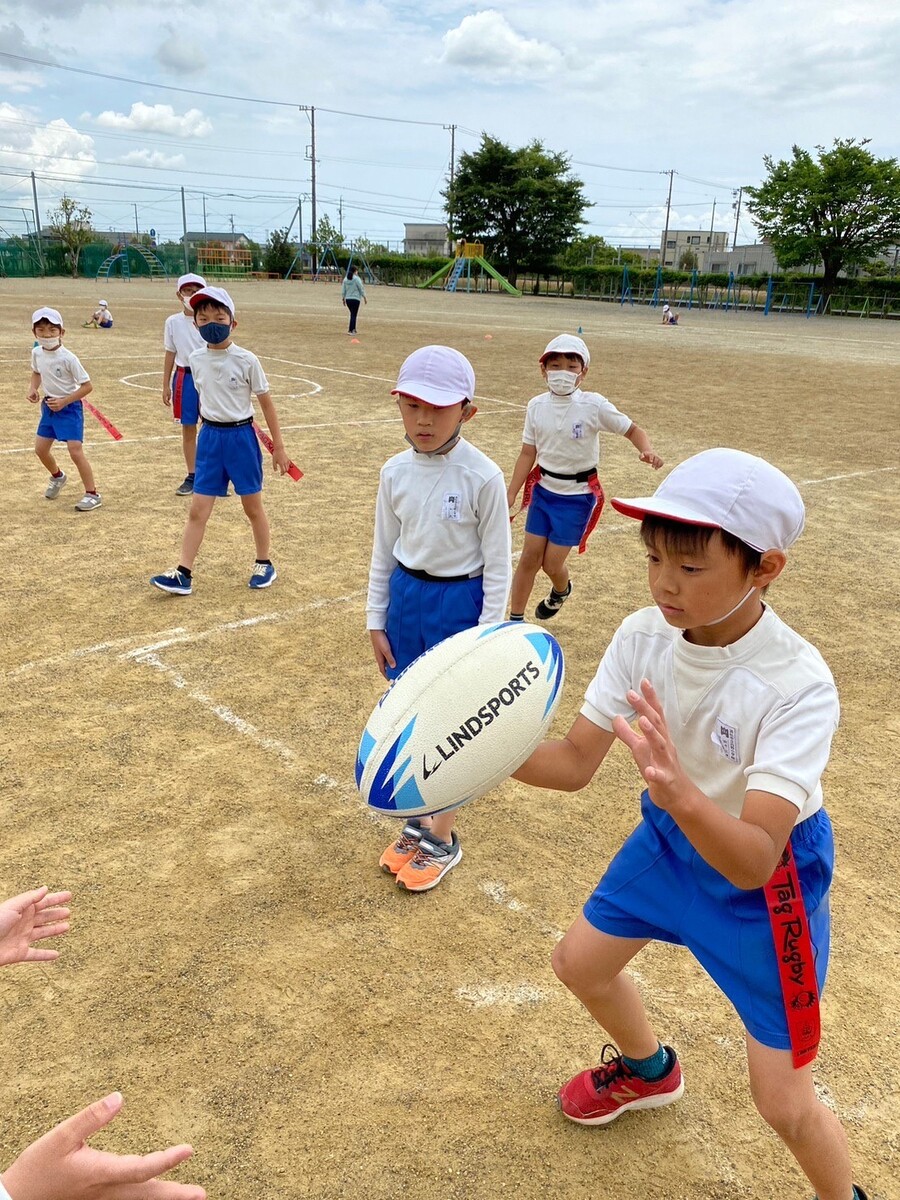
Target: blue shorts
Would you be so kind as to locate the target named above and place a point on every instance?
(562, 520)
(227, 454)
(185, 401)
(422, 612)
(659, 887)
(67, 425)
(108, 325)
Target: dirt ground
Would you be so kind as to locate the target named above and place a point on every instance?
(239, 967)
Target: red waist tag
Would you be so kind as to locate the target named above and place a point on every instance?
(796, 964)
(599, 500)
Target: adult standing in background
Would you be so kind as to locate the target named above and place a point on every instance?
(352, 294)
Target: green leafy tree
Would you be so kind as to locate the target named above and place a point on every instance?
(71, 224)
(688, 260)
(522, 203)
(842, 208)
(278, 253)
(588, 251)
(327, 234)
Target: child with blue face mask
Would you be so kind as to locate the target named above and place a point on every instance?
(226, 377)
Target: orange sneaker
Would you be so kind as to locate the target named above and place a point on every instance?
(432, 861)
(399, 853)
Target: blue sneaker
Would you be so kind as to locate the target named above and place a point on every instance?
(264, 575)
(174, 581)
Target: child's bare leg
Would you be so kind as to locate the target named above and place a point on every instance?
(786, 1100)
(442, 825)
(79, 458)
(591, 964)
(189, 446)
(256, 515)
(201, 507)
(42, 448)
(554, 565)
(529, 564)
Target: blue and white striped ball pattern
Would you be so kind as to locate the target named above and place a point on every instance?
(460, 719)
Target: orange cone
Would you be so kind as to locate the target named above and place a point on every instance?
(354, 341)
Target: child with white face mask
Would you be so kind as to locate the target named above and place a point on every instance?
(180, 339)
(558, 466)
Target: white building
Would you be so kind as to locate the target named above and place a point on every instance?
(699, 242)
(427, 240)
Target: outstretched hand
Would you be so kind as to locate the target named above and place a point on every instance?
(32, 917)
(61, 1166)
(652, 747)
(653, 459)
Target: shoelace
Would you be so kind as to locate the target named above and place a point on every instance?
(260, 569)
(611, 1068)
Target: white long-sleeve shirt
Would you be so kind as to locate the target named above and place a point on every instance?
(445, 514)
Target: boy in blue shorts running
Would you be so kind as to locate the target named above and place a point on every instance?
(560, 455)
(733, 855)
(181, 338)
(440, 560)
(57, 372)
(226, 377)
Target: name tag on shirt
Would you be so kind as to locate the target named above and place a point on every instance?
(451, 507)
(577, 430)
(725, 738)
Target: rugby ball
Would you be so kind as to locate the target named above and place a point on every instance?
(460, 719)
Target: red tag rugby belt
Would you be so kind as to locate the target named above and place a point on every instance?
(588, 477)
(293, 470)
(796, 963)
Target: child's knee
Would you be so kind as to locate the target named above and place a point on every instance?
(570, 967)
(781, 1108)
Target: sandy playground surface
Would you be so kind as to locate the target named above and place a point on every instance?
(239, 967)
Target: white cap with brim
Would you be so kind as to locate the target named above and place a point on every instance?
(438, 375)
(727, 489)
(216, 294)
(568, 343)
(47, 314)
(103, 304)
(184, 280)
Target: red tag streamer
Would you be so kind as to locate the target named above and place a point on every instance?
(796, 964)
(293, 470)
(534, 476)
(104, 421)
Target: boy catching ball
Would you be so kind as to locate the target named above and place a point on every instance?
(440, 562)
(734, 852)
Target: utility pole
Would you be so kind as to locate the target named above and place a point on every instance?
(737, 215)
(231, 219)
(184, 231)
(309, 109)
(671, 175)
(341, 218)
(204, 214)
(452, 129)
(712, 222)
(137, 228)
(37, 223)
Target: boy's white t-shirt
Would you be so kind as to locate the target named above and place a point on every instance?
(756, 715)
(181, 337)
(226, 381)
(565, 431)
(445, 514)
(60, 371)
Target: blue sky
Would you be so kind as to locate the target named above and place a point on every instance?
(628, 89)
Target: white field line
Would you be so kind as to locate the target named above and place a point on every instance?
(851, 475)
(224, 714)
(84, 651)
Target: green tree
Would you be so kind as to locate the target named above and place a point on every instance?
(587, 251)
(327, 234)
(522, 203)
(842, 208)
(688, 260)
(72, 225)
(278, 253)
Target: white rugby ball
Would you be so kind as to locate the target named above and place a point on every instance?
(460, 719)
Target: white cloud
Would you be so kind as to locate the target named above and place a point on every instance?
(158, 118)
(55, 146)
(180, 56)
(151, 158)
(19, 76)
(486, 45)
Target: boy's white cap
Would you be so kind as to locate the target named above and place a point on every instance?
(439, 375)
(103, 304)
(183, 280)
(730, 490)
(568, 343)
(46, 314)
(217, 294)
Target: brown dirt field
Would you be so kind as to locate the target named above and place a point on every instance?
(238, 966)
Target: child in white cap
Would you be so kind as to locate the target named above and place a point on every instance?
(181, 338)
(227, 377)
(101, 317)
(669, 317)
(57, 373)
(558, 466)
(441, 560)
(734, 853)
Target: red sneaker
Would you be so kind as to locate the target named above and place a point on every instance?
(598, 1096)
